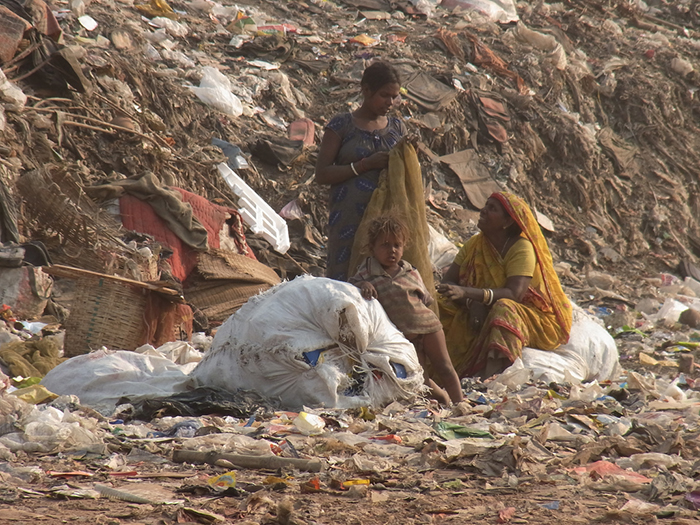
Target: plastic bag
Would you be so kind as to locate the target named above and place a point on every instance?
(497, 10)
(215, 90)
(51, 430)
(591, 354)
(309, 424)
(313, 341)
(171, 26)
(101, 378)
(547, 43)
(10, 91)
(441, 250)
(669, 313)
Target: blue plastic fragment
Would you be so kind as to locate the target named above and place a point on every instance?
(250, 422)
(312, 356)
(552, 505)
(399, 370)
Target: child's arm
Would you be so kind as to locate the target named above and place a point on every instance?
(425, 296)
(359, 279)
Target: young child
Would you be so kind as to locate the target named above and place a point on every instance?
(400, 290)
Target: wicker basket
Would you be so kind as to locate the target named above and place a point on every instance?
(74, 229)
(105, 313)
(113, 311)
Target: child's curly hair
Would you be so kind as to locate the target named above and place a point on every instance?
(387, 223)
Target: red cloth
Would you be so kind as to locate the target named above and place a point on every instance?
(137, 215)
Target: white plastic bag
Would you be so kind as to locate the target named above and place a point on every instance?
(314, 342)
(547, 43)
(497, 10)
(171, 26)
(440, 249)
(101, 378)
(215, 90)
(11, 92)
(670, 312)
(591, 354)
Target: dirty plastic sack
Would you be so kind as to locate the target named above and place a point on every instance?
(591, 354)
(497, 10)
(215, 90)
(315, 342)
(101, 378)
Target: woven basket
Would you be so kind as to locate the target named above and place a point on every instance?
(105, 313)
(74, 229)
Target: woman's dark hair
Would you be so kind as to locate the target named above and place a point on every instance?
(379, 74)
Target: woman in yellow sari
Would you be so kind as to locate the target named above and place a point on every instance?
(501, 292)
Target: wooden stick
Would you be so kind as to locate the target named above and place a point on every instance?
(17, 58)
(31, 72)
(86, 126)
(42, 101)
(248, 462)
(68, 271)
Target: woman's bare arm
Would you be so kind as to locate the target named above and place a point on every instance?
(326, 171)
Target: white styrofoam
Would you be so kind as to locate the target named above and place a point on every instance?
(256, 213)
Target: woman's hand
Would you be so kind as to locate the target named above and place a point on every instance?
(376, 161)
(455, 293)
(368, 291)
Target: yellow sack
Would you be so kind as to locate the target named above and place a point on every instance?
(35, 394)
(157, 8)
(400, 190)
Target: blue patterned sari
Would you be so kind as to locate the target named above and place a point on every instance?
(349, 199)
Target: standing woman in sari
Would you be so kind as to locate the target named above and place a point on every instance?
(503, 292)
(353, 152)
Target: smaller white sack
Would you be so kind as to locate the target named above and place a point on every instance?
(101, 378)
(591, 354)
(313, 342)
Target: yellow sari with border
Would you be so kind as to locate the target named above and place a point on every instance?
(542, 320)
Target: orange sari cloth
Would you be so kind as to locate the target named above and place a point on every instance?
(542, 320)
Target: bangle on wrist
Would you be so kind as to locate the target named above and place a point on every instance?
(485, 296)
(352, 167)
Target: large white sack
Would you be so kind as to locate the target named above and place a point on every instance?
(261, 347)
(101, 378)
(591, 354)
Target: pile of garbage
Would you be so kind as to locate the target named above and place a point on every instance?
(156, 173)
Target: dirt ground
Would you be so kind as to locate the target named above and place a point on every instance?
(420, 497)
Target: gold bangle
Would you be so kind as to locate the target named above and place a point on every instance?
(485, 297)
